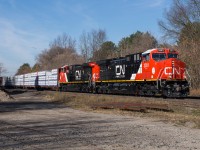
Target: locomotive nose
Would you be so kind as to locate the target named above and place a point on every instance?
(176, 69)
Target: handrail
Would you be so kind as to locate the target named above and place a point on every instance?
(158, 78)
(190, 83)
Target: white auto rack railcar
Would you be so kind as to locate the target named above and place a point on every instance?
(41, 79)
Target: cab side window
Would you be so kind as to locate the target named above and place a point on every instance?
(145, 57)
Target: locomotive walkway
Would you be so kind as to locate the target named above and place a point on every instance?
(30, 122)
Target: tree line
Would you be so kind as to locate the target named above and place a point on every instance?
(93, 46)
(180, 26)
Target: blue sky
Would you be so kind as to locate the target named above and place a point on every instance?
(27, 26)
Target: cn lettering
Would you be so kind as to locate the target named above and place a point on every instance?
(172, 70)
(120, 70)
(78, 74)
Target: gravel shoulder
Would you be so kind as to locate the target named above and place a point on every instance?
(30, 122)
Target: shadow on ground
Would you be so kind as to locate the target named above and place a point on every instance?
(31, 105)
(15, 91)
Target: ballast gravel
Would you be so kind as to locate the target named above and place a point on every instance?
(32, 123)
(4, 96)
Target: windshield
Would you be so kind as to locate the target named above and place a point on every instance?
(159, 56)
(170, 55)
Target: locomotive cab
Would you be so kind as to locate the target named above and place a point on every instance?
(62, 74)
(163, 64)
(164, 67)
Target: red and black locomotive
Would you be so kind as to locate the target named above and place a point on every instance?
(155, 71)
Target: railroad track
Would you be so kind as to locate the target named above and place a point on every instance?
(193, 97)
(167, 103)
(142, 103)
(157, 96)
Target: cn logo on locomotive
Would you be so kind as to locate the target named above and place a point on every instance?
(120, 71)
(78, 74)
(172, 70)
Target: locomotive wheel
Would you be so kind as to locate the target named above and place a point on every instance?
(141, 93)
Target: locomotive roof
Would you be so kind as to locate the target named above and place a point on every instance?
(105, 61)
(148, 51)
(159, 50)
(132, 54)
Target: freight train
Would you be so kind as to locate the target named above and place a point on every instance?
(157, 71)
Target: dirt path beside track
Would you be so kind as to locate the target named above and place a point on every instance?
(30, 122)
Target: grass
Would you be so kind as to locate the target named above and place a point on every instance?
(196, 112)
(182, 115)
(195, 92)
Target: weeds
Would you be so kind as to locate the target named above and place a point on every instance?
(195, 92)
(196, 112)
(182, 115)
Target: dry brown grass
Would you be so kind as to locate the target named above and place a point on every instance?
(195, 92)
(182, 115)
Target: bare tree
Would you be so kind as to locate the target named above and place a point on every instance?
(36, 67)
(179, 16)
(98, 38)
(65, 41)
(90, 43)
(2, 69)
(85, 46)
(182, 24)
(25, 68)
(61, 52)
